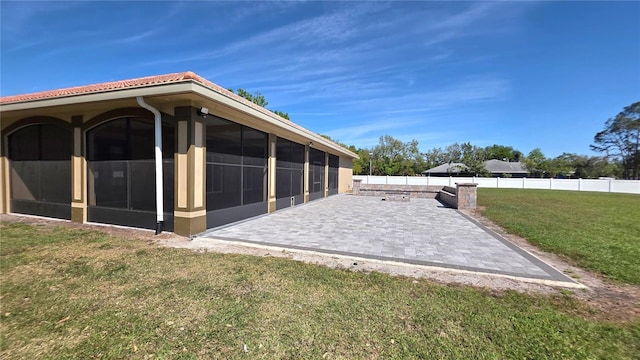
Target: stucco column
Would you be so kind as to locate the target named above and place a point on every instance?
(271, 171)
(466, 196)
(190, 213)
(306, 174)
(326, 174)
(78, 173)
(4, 178)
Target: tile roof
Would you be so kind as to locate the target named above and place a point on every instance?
(453, 168)
(107, 86)
(499, 166)
(493, 166)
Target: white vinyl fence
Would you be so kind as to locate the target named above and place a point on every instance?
(600, 185)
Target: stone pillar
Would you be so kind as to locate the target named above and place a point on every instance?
(271, 171)
(306, 174)
(78, 173)
(326, 174)
(356, 186)
(467, 196)
(190, 212)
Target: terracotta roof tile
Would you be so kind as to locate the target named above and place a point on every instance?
(108, 86)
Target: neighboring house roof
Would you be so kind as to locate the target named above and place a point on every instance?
(448, 168)
(493, 166)
(111, 89)
(505, 167)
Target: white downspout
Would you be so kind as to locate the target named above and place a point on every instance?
(158, 160)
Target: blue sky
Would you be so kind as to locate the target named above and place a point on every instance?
(523, 74)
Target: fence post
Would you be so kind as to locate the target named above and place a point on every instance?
(497, 183)
(406, 179)
(449, 180)
(386, 180)
(550, 183)
(523, 179)
(579, 184)
(610, 183)
(428, 180)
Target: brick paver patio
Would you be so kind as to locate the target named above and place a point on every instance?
(421, 231)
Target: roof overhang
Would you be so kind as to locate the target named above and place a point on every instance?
(191, 89)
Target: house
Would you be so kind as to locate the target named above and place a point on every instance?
(448, 169)
(99, 153)
(497, 168)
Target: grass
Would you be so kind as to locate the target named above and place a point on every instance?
(78, 294)
(599, 231)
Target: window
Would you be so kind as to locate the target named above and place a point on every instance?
(236, 164)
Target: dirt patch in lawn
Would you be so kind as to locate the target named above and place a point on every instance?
(608, 301)
(612, 301)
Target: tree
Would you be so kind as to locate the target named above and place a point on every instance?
(434, 157)
(283, 115)
(258, 99)
(473, 157)
(453, 153)
(535, 163)
(500, 152)
(390, 157)
(591, 167)
(559, 166)
(620, 139)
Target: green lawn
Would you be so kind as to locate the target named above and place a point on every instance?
(600, 231)
(76, 294)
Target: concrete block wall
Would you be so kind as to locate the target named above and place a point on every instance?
(415, 191)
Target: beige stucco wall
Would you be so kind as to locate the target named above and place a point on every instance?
(345, 175)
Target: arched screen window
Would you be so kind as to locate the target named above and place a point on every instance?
(121, 169)
(41, 170)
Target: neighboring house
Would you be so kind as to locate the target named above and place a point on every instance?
(448, 169)
(497, 168)
(89, 154)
